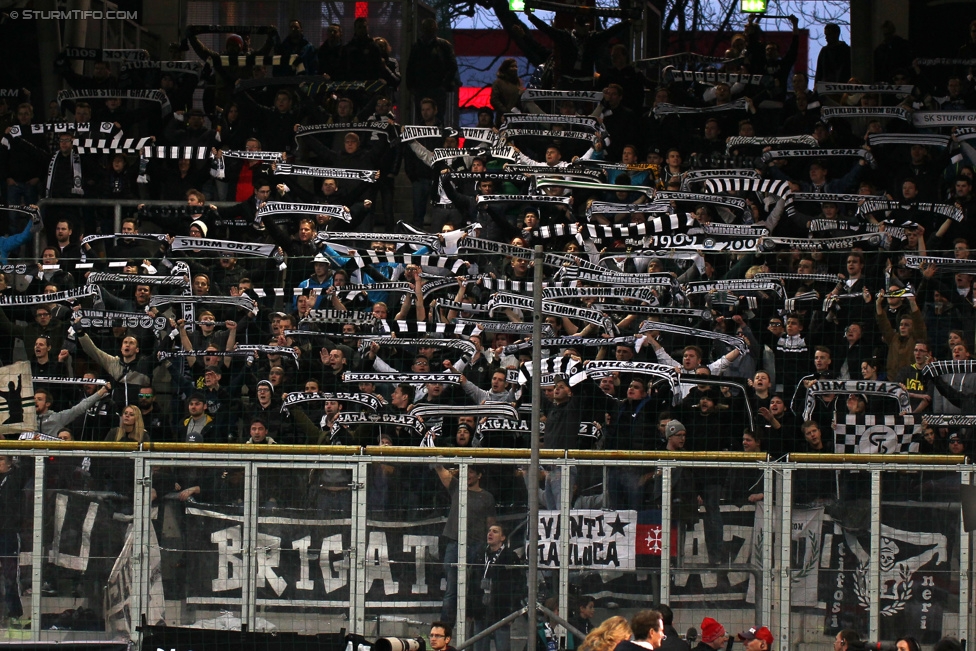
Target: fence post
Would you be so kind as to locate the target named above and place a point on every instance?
(37, 550)
(666, 525)
(249, 543)
(874, 566)
(785, 547)
(357, 541)
(965, 571)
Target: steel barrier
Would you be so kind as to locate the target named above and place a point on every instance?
(299, 539)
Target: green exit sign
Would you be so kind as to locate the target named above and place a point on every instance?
(516, 5)
(752, 6)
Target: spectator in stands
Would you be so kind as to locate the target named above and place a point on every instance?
(481, 516)
(432, 70)
(834, 61)
(12, 484)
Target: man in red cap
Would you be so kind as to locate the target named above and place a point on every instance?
(757, 638)
(713, 636)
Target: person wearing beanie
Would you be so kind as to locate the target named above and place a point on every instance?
(713, 635)
(201, 226)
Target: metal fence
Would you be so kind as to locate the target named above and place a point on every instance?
(290, 539)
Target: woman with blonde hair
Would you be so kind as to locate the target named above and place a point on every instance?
(131, 427)
(607, 635)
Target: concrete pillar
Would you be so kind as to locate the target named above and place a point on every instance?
(49, 42)
(164, 18)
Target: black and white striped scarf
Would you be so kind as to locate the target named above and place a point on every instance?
(932, 119)
(367, 400)
(819, 278)
(521, 198)
(554, 367)
(948, 265)
(510, 134)
(881, 89)
(945, 367)
(548, 118)
(669, 109)
(373, 126)
(176, 67)
(828, 113)
(927, 139)
(480, 134)
(502, 301)
(569, 342)
(711, 78)
(533, 94)
(487, 409)
(603, 368)
(643, 294)
(947, 420)
(769, 141)
(473, 308)
(833, 197)
(735, 286)
(688, 331)
(400, 420)
(243, 154)
(283, 208)
(355, 317)
(351, 377)
(69, 380)
(698, 197)
(181, 243)
(508, 327)
(590, 185)
(113, 146)
(816, 153)
(157, 96)
(424, 328)
(242, 350)
(570, 171)
(176, 153)
(945, 61)
(77, 188)
(463, 345)
(700, 176)
(68, 295)
(824, 244)
(98, 54)
(96, 277)
(414, 132)
(946, 210)
(287, 169)
(613, 208)
(109, 319)
(243, 302)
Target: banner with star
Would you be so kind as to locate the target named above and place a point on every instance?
(600, 540)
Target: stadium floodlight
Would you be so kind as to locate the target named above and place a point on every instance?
(747, 6)
(516, 5)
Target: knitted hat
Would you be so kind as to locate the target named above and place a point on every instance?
(711, 630)
(266, 383)
(671, 429)
(201, 225)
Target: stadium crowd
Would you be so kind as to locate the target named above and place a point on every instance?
(734, 259)
(817, 234)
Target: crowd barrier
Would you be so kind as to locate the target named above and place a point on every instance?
(302, 541)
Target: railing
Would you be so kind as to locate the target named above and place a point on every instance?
(360, 550)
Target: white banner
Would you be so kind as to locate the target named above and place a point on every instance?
(600, 540)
